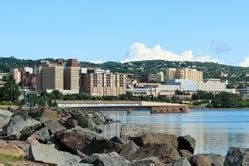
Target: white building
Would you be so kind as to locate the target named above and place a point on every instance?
(213, 85)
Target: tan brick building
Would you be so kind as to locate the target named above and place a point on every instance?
(71, 79)
(51, 78)
(184, 73)
(103, 84)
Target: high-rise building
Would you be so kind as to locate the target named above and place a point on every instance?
(51, 78)
(72, 63)
(72, 79)
(16, 74)
(185, 74)
(103, 83)
(170, 73)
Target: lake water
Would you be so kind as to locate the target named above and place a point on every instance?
(214, 130)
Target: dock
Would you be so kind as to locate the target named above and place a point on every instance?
(154, 107)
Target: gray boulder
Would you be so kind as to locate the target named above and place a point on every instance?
(200, 160)
(109, 159)
(71, 141)
(105, 146)
(43, 114)
(4, 117)
(156, 138)
(180, 162)
(185, 153)
(237, 156)
(128, 149)
(21, 127)
(53, 126)
(48, 154)
(151, 161)
(85, 131)
(216, 159)
(42, 135)
(130, 131)
(166, 153)
(186, 142)
(117, 140)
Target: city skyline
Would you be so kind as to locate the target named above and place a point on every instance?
(126, 31)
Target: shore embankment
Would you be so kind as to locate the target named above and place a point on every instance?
(73, 137)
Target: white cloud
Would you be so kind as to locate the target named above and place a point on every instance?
(138, 52)
(245, 63)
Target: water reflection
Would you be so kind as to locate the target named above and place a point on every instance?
(214, 130)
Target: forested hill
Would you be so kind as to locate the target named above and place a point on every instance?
(235, 74)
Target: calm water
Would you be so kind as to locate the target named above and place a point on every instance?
(214, 130)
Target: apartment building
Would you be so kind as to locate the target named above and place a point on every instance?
(184, 73)
(72, 79)
(102, 83)
(51, 78)
(16, 74)
(151, 78)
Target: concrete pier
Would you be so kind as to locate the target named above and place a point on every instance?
(154, 107)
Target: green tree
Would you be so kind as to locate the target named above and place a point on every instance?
(10, 91)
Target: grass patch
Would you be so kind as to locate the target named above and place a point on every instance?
(5, 159)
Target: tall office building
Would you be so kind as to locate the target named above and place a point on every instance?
(102, 83)
(185, 74)
(170, 73)
(16, 74)
(71, 79)
(51, 78)
(72, 63)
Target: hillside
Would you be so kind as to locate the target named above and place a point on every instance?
(235, 74)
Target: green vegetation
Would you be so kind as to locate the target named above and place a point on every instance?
(49, 99)
(7, 160)
(10, 92)
(219, 100)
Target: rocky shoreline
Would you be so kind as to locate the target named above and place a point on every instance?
(73, 137)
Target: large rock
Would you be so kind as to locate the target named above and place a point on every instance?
(128, 149)
(21, 127)
(151, 161)
(109, 159)
(216, 159)
(237, 156)
(105, 146)
(71, 123)
(117, 140)
(180, 162)
(85, 131)
(130, 131)
(85, 120)
(10, 149)
(48, 154)
(186, 142)
(185, 153)
(43, 114)
(200, 160)
(54, 126)
(72, 142)
(4, 117)
(42, 135)
(156, 138)
(166, 153)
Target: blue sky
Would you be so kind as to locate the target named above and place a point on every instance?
(128, 30)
